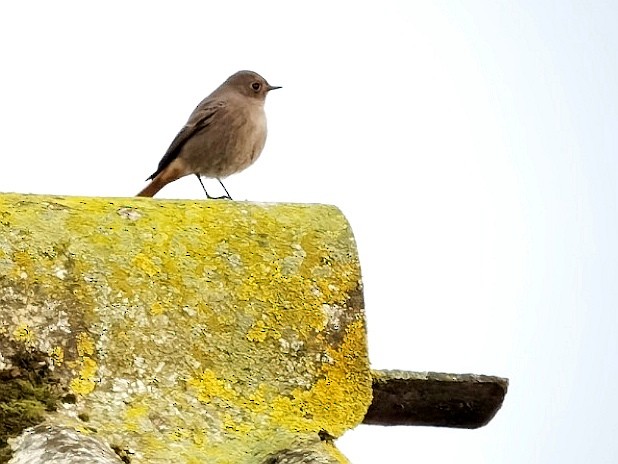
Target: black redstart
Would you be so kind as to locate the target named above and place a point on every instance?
(224, 135)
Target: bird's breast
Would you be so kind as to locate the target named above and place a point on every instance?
(246, 141)
(260, 131)
(232, 142)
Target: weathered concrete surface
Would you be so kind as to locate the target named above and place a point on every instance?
(181, 331)
(435, 399)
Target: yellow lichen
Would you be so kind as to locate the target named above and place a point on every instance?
(157, 308)
(23, 333)
(326, 400)
(81, 386)
(236, 425)
(145, 264)
(85, 382)
(200, 437)
(180, 433)
(136, 411)
(85, 344)
(209, 387)
(289, 412)
(56, 354)
(135, 415)
(258, 332)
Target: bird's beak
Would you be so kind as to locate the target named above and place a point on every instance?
(273, 87)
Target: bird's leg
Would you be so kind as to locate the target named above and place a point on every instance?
(227, 194)
(202, 184)
(227, 197)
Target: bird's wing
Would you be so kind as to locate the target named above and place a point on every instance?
(200, 118)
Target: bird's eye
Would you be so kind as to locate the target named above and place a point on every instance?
(256, 86)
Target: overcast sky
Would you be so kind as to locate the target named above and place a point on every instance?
(474, 150)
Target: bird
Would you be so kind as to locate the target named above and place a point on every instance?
(225, 134)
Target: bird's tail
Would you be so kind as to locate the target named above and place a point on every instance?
(175, 170)
(152, 188)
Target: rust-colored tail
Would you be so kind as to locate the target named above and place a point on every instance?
(151, 189)
(174, 171)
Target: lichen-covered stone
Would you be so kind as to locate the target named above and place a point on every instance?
(45, 444)
(187, 331)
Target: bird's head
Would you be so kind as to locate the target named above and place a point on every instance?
(249, 84)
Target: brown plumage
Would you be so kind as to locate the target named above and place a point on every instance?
(224, 135)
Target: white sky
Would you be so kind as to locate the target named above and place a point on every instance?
(473, 149)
